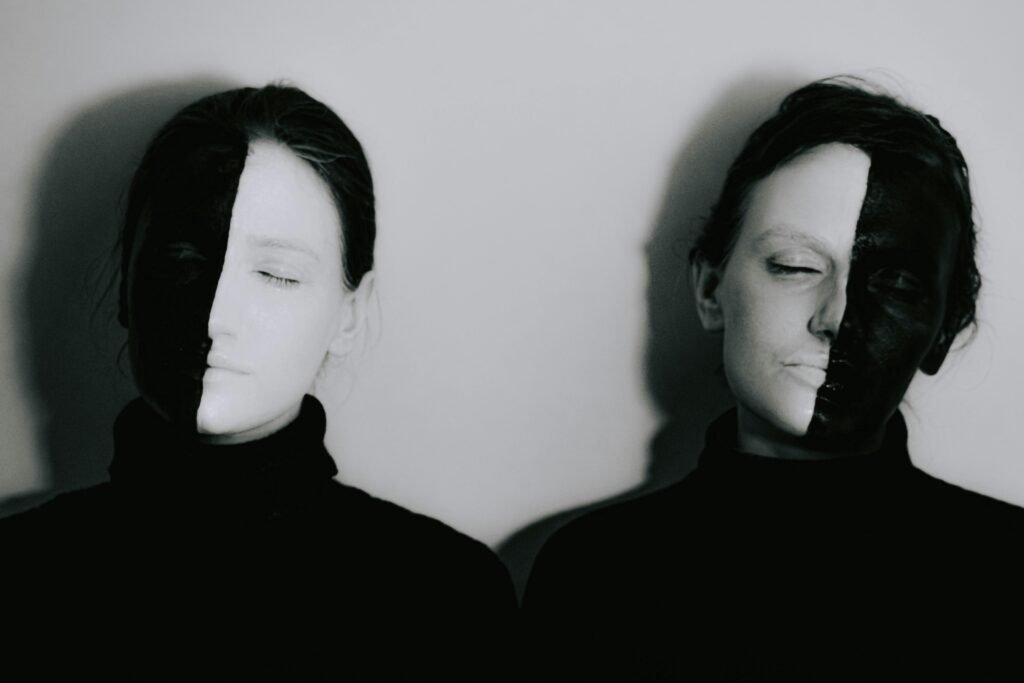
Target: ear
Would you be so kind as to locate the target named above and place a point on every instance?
(352, 319)
(937, 353)
(705, 278)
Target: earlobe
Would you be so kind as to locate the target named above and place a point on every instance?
(937, 353)
(352, 317)
(705, 278)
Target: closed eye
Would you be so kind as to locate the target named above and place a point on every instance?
(898, 282)
(182, 252)
(779, 268)
(277, 280)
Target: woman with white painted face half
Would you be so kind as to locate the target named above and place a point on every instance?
(247, 255)
(837, 263)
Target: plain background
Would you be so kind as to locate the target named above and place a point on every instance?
(540, 168)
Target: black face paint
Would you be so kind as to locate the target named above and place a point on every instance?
(896, 293)
(178, 254)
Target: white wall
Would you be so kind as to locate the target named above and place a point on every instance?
(525, 153)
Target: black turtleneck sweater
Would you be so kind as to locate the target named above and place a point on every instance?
(253, 538)
(757, 567)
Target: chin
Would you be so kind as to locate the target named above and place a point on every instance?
(848, 427)
(792, 413)
(216, 417)
(212, 426)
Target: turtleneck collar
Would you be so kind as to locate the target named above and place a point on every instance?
(151, 454)
(721, 455)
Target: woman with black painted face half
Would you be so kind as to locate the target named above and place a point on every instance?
(837, 263)
(247, 252)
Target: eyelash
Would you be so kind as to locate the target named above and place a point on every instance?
(782, 269)
(276, 280)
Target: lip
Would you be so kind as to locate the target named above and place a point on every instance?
(812, 375)
(814, 359)
(216, 360)
(811, 368)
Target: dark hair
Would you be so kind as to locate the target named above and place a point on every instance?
(844, 110)
(217, 130)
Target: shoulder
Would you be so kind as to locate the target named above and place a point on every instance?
(395, 540)
(57, 549)
(66, 514)
(387, 520)
(635, 521)
(968, 505)
(616, 544)
(979, 532)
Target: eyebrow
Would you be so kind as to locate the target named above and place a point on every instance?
(786, 233)
(266, 242)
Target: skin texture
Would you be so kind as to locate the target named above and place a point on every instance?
(829, 302)
(280, 305)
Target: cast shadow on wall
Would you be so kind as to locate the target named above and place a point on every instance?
(682, 362)
(70, 346)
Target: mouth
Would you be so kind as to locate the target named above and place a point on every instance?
(220, 363)
(811, 374)
(846, 386)
(810, 367)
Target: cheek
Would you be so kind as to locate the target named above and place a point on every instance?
(764, 325)
(761, 322)
(295, 333)
(892, 347)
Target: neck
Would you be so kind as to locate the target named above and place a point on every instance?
(758, 437)
(150, 450)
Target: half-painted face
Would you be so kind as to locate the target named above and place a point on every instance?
(261, 301)
(831, 299)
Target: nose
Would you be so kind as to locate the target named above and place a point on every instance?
(225, 307)
(829, 312)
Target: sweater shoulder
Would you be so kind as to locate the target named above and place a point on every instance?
(62, 513)
(635, 521)
(965, 502)
(397, 537)
(611, 546)
(394, 521)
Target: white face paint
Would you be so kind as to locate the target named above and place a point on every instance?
(781, 295)
(280, 300)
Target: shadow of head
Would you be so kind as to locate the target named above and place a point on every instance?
(69, 340)
(682, 361)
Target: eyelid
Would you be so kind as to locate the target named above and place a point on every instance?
(277, 279)
(798, 261)
(798, 257)
(898, 279)
(182, 251)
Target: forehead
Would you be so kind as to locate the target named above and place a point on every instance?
(280, 197)
(905, 212)
(837, 196)
(816, 197)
